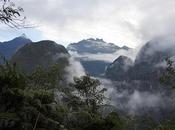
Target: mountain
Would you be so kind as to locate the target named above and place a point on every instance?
(153, 52)
(142, 76)
(95, 67)
(125, 48)
(8, 48)
(150, 61)
(117, 70)
(43, 53)
(148, 66)
(91, 48)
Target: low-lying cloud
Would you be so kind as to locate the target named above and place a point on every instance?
(106, 57)
(135, 102)
(74, 69)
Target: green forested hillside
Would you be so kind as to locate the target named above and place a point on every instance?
(40, 101)
(43, 53)
(31, 102)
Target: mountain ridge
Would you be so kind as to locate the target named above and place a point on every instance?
(94, 46)
(43, 53)
(8, 48)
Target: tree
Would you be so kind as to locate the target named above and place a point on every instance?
(47, 79)
(25, 107)
(168, 76)
(168, 79)
(11, 15)
(89, 90)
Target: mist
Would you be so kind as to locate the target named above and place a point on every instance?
(137, 101)
(74, 69)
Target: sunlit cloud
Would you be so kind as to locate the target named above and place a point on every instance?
(123, 22)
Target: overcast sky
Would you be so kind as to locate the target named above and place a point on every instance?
(123, 22)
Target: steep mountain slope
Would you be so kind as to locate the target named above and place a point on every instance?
(150, 61)
(148, 66)
(43, 53)
(88, 50)
(143, 77)
(117, 70)
(154, 52)
(8, 48)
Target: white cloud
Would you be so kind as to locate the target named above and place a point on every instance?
(135, 102)
(118, 21)
(65, 20)
(106, 57)
(74, 69)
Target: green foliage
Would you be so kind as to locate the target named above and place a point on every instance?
(168, 79)
(90, 92)
(145, 122)
(23, 107)
(47, 79)
(168, 75)
(78, 120)
(111, 122)
(29, 102)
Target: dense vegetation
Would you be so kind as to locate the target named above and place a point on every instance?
(43, 101)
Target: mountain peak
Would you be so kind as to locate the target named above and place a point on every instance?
(96, 40)
(23, 35)
(117, 69)
(123, 59)
(94, 46)
(8, 48)
(125, 47)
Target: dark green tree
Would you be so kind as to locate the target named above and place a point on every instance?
(23, 106)
(90, 92)
(168, 76)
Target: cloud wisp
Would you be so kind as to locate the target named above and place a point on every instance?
(106, 57)
(74, 69)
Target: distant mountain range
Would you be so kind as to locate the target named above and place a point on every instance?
(94, 47)
(147, 66)
(127, 77)
(28, 55)
(8, 48)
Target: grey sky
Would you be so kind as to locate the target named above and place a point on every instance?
(129, 22)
